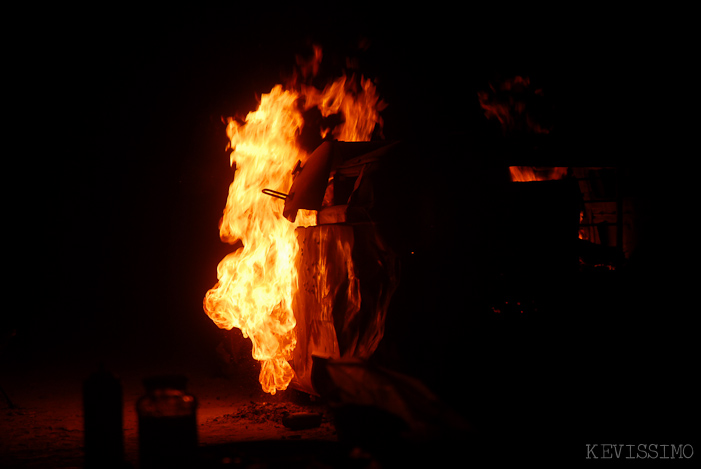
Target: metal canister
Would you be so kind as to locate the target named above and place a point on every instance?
(167, 416)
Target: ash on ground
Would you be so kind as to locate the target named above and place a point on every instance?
(271, 419)
(269, 412)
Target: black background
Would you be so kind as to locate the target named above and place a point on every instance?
(119, 174)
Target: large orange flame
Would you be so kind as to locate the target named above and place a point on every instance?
(258, 280)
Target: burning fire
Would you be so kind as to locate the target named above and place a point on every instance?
(257, 281)
(530, 173)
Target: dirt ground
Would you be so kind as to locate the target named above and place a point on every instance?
(45, 427)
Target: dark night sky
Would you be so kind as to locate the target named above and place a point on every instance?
(123, 146)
